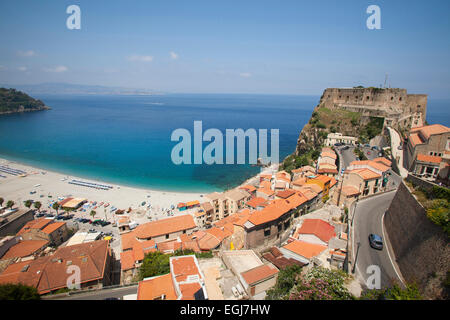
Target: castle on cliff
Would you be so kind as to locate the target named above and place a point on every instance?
(399, 109)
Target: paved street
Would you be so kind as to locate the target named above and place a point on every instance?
(396, 153)
(368, 219)
(101, 294)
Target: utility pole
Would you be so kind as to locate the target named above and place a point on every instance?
(356, 258)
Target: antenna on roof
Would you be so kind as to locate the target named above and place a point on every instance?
(385, 80)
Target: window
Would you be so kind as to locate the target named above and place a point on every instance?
(267, 232)
(366, 184)
(280, 227)
(184, 231)
(167, 236)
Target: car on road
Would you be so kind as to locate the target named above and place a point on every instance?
(376, 241)
(346, 148)
(399, 147)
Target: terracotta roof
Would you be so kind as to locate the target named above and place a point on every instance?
(164, 226)
(153, 288)
(365, 174)
(34, 224)
(248, 187)
(49, 273)
(430, 130)
(427, 158)
(371, 163)
(219, 233)
(272, 212)
(331, 155)
(324, 179)
(257, 202)
(206, 206)
(285, 193)
(350, 190)
(265, 184)
(188, 290)
(321, 229)
(183, 266)
(299, 182)
(127, 260)
(304, 169)
(24, 248)
(305, 249)
(384, 161)
(415, 139)
(259, 273)
(52, 227)
(314, 187)
(269, 192)
(307, 193)
(296, 200)
(326, 170)
(169, 246)
(333, 182)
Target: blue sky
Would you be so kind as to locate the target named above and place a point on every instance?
(282, 47)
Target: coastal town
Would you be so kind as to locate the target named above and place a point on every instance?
(313, 216)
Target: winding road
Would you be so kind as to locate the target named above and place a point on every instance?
(368, 218)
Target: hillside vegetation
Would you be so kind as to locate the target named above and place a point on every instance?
(324, 121)
(12, 100)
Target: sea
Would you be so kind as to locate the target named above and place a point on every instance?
(126, 139)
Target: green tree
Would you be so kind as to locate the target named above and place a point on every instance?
(28, 203)
(395, 292)
(154, 264)
(93, 213)
(38, 205)
(321, 284)
(12, 291)
(285, 282)
(56, 207)
(1, 201)
(10, 204)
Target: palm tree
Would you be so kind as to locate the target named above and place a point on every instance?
(1, 201)
(37, 205)
(28, 203)
(10, 204)
(56, 207)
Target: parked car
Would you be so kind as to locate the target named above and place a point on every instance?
(376, 241)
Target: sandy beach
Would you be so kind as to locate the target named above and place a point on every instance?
(56, 185)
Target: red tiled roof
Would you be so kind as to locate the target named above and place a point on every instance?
(427, 158)
(24, 248)
(272, 212)
(256, 202)
(164, 226)
(323, 230)
(49, 273)
(154, 288)
(305, 249)
(259, 273)
(285, 193)
(52, 227)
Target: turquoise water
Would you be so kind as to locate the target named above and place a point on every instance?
(126, 139)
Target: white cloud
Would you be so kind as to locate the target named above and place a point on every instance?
(28, 53)
(173, 55)
(245, 74)
(139, 58)
(56, 69)
(22, 68)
